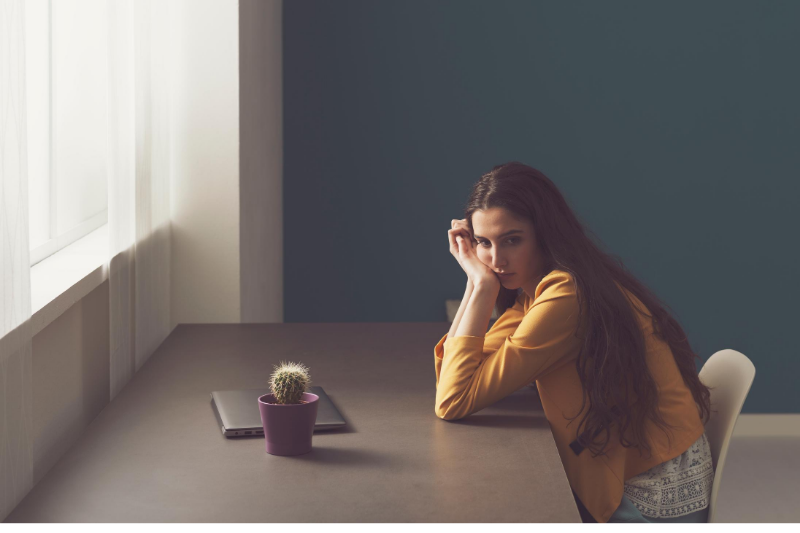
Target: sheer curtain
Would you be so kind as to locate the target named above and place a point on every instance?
(139, 184)
(139, 221)
(16, 393)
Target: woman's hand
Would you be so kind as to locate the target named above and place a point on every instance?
(460, 227)
(462, 246)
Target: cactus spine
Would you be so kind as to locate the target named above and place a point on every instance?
(288, 382)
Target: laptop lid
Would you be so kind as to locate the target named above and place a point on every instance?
(238, 414)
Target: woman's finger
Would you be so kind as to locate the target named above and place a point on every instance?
(453, 233)
(451, 237)
(460, 225)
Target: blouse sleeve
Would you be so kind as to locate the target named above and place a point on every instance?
(475, 372)
(502, 328)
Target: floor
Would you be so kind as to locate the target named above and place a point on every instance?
(760, 481)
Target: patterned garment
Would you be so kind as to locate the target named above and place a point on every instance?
(676, 487)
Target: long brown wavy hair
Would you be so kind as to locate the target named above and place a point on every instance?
(611, 363)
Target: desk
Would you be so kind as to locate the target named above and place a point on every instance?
(156, 452)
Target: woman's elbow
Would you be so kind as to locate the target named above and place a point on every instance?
(446, 412)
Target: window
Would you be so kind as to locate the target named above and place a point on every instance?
(66, 76)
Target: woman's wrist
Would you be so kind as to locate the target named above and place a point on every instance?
(486, 284)
(464, 301)
(478, 312)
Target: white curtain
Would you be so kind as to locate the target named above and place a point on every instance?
(139, 184)
(139, 222)
(16, 393)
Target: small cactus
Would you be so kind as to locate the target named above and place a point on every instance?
(288, 382)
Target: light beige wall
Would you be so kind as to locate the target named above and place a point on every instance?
(261, 159)
(205, 162)
(70, 377)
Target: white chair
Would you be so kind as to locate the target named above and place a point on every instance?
(730, 375)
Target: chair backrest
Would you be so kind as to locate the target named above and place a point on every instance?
(730, 375)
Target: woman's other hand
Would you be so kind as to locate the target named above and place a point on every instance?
(459, 227)
(462, 246)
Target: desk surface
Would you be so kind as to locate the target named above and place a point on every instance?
(156, 452)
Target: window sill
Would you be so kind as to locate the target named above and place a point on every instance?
(61, 280)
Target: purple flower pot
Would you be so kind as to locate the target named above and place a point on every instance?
(288, 428)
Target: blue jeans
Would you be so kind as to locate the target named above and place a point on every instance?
(627, 512)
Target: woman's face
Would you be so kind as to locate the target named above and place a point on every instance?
(507, 244)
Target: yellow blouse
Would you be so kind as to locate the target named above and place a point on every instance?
(534, 340)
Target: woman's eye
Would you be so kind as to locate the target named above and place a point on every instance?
(512, 240)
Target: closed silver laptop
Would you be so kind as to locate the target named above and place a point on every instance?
(238, 414)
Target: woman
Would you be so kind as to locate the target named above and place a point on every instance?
(597, 343)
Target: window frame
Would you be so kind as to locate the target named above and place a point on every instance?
(56, 241)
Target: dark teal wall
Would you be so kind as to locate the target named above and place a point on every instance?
(673, 129)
